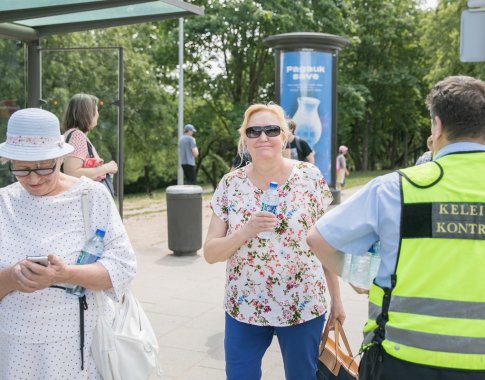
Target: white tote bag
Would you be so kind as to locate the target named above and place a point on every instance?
(125, 348)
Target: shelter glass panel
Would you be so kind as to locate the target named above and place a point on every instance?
(12, 91)
(94, 71)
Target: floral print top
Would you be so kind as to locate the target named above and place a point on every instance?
(279, 281)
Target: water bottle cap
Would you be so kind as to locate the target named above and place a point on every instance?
(100, 232)
(273, 185)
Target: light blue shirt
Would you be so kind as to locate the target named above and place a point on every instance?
(374, 213)
(186, 144)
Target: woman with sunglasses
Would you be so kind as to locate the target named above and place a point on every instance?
(42, 215)
(273, 286)
(80, 117)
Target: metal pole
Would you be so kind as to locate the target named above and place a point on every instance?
(180, 175)
(121, 142)
(34, 76)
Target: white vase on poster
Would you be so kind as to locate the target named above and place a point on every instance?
(307, 120)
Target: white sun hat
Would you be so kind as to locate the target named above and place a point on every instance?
(34, 134)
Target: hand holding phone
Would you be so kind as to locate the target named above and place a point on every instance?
(42, 260)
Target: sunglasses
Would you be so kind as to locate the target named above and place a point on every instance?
(26, 172)
(269, 130)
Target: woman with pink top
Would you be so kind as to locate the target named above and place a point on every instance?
(81, 116)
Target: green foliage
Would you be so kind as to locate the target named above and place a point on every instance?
(441, 38)
(397, 52)
(381, 91)
(150, 110)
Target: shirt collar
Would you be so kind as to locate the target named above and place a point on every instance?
(459, 147)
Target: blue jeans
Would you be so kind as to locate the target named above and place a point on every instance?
(245, 345)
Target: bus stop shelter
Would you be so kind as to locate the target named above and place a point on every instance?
(31, 20)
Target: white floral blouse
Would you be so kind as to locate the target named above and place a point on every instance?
(275, 282)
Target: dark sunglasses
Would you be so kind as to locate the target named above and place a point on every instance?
(269, 130)
(26, 172)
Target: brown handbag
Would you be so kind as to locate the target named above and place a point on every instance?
(334, 358)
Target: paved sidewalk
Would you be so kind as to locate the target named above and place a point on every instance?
(183, 299)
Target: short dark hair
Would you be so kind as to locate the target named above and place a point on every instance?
(459, 102)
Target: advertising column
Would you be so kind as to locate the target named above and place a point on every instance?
(306, 66)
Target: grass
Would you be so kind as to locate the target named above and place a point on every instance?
(141, 201)
(361, 178)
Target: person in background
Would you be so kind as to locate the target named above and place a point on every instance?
(241, 159)
(273, 286)
(297, 148)
(81, 117)
(342, 170)
(426, 304)
(41, 214)
(426, 156)
(188, 152)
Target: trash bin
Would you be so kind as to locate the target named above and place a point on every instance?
(184, 219)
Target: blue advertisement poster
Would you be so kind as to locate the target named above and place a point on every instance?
(306, 97)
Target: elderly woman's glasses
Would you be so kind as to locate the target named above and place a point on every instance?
(269, 130)
(26, 172)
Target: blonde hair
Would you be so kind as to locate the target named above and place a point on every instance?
(255, 108)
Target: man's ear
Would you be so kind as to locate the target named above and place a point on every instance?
(438, 134)
(437, 130)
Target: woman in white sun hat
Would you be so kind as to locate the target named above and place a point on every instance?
(41, 215)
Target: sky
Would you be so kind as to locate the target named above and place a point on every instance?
(431, 3)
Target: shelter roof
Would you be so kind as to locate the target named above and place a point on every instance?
(34, 19)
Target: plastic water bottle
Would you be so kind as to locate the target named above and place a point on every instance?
(375, 260)
(346, 267)
(363, 268)
(93, 249)
(269, 203)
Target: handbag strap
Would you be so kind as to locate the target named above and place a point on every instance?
(85, 208)
(88, 144)
(98, 297)
(340, 333)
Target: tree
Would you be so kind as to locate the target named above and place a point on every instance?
(381, 83)
(228, 67)
(150, 111)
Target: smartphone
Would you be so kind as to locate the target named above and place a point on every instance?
(42, 260)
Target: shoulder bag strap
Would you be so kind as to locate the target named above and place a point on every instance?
(98, 297)
(85, 208)
(68, 137)
(89, 145)
(90, 148)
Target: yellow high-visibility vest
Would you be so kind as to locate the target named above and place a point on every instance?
(434, 314)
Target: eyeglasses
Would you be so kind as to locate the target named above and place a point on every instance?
(269, 130)
(26, 172)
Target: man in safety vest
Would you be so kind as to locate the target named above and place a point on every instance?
(427, 302)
